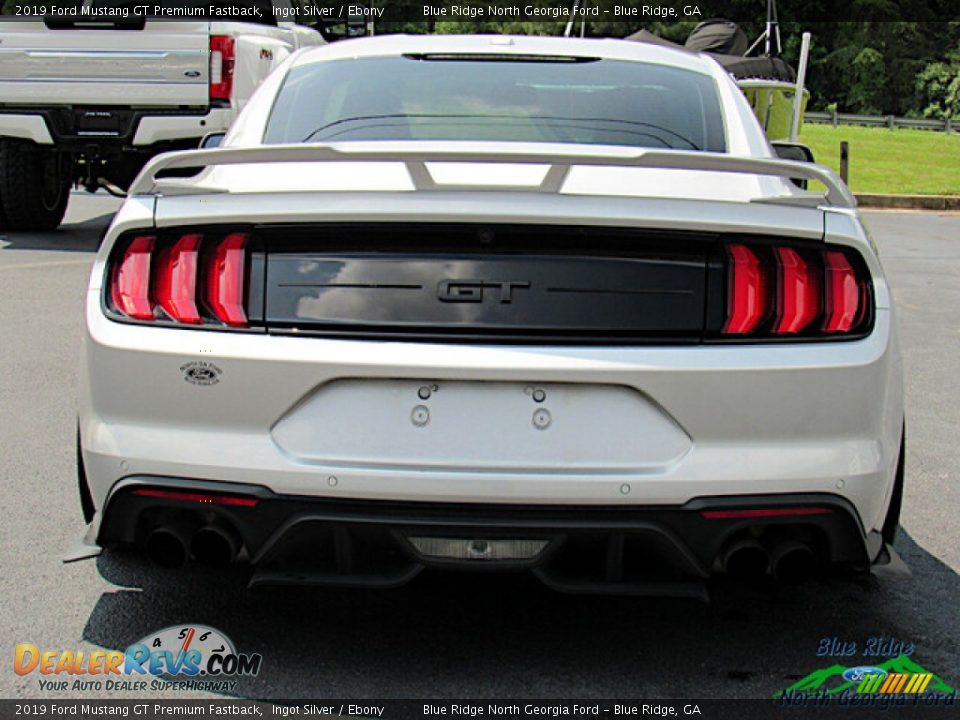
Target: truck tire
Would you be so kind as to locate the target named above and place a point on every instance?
(34, 187)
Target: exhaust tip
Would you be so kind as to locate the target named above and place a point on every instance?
(215, 546)
(793, 563)
(167, 547)
(745, 560)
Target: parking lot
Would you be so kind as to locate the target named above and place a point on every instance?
(466, 636)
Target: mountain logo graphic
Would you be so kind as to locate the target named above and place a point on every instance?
(897, 675)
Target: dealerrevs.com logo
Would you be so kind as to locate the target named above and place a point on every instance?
(185, 657)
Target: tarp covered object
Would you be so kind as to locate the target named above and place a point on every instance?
(718, 36)
(726, 42)
(767, 68)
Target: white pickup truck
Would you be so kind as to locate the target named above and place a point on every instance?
(88, 98)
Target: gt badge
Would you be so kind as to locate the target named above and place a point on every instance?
(472, 291)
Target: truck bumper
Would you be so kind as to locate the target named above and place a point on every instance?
(138, 128)
(26, 127)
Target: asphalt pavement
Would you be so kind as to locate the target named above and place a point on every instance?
(462, 636)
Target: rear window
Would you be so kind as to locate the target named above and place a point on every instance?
(509, 98)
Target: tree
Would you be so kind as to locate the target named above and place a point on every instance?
(938, 87)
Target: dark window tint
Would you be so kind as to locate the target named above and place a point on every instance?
(527, 99)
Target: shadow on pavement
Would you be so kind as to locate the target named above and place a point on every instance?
(477, 635)
(82, 236)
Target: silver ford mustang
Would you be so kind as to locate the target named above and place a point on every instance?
(528, 304)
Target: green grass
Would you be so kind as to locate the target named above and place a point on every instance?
(914, 162)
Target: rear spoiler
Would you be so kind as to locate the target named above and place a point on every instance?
(416, 155)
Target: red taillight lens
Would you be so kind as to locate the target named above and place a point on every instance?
(798, 298)
(221, 67)
(189, 279)
(842, 293)
(207, 498)
(175, 285)
(776, 291)
(763, 512)
(226, 280)
(130, 284)
(747, 291)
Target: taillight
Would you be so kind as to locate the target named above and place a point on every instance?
(175, 285)
(226, 280)
(747, 291)
(221, 67)
(130, 285)
(780, 291)
(842, 293)
(188, 279)
(798, 292)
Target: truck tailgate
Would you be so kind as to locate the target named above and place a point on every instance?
(162, 64)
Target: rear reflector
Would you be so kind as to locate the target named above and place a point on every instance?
(208, 498)
(175, 286)
(130, 286)
(225, 280)
(747, 293)
(763, 512)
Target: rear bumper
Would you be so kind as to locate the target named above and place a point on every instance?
(649, 550)
(821, 418)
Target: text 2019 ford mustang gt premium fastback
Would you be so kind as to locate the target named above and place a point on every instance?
(537, 304)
